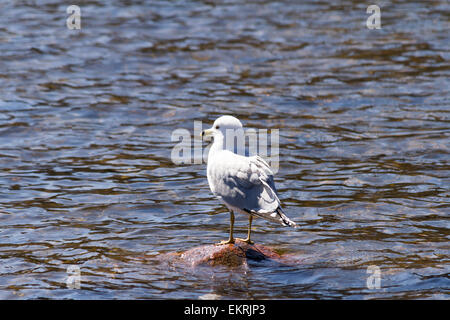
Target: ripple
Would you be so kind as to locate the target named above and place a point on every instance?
(86, 117)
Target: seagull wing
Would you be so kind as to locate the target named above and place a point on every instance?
(247, 183)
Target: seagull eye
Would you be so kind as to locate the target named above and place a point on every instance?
(217, 127)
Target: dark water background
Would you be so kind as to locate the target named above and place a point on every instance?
(86, 118)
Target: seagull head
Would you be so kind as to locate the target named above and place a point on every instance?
(222, 126)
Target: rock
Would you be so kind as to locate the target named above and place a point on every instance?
(230, 255)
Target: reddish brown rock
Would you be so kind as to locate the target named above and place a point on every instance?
(231, 255)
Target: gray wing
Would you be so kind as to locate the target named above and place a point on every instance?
(253, 185)
(248, 185)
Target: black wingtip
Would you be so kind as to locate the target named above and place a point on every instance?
(285, 220)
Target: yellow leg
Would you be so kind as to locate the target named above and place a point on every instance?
(230, 239)
(250, 219)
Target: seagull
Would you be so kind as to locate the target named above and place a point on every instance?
(244, 184)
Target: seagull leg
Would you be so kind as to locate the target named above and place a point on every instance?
(250, 219)
(230, 239)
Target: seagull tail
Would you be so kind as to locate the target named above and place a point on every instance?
(276, 216)
(285, 221)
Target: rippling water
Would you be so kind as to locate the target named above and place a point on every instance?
(86, 117)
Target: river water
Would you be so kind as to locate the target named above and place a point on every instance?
(89, 191)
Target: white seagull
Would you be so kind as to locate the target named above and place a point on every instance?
(243, 184)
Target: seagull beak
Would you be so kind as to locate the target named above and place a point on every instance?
(207, 132)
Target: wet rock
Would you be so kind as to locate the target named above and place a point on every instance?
(231, 255)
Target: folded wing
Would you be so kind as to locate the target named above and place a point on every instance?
(247, 183)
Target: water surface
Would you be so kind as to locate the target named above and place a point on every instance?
(86, 117)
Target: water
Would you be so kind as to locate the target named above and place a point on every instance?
(86, 117)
